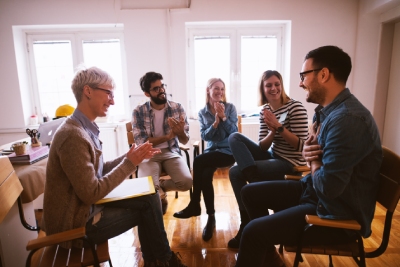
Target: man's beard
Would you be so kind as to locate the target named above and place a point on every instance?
(158, 101)
(317, 94)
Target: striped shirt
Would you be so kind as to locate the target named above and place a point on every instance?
(296, 122)
(143, 123)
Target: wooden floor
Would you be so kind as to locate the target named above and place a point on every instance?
(184, 236)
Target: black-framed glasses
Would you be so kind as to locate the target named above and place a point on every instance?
(307, 71)
(157, 89)
(108, 92)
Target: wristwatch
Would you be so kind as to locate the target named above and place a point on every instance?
(280, 129)
(224, 119)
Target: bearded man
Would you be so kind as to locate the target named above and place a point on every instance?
(344, 154)
(164, 124)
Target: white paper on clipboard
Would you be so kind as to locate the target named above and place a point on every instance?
(130, 188)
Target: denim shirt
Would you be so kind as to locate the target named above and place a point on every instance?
(346, 184)
(217, 139)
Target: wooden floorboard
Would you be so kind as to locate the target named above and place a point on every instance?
(185, 236)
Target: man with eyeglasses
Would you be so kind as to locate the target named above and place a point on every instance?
(164, 124)
(344, 154)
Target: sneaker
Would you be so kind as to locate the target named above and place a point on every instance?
(188, 212)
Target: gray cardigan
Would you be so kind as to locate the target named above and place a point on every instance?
(71, 183)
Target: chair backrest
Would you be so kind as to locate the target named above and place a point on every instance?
(239, 123)
(129, 133)
(10, 186)
(389, 189)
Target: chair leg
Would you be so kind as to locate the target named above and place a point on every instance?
(280, 249)
(330, 261)
(297, 258)
(361, 261)
(176, 194)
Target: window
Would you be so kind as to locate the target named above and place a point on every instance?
(238, 53)
(54, 57)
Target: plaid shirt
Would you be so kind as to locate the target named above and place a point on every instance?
(143, 123)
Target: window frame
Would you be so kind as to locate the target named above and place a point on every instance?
(235, 30)
(76, 35)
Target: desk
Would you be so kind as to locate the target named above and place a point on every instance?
(13, 236)
(32, 177)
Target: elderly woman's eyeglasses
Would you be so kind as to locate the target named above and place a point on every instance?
(157, 89)
(305, 72)
(108, 92)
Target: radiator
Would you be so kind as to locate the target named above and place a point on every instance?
(114, 140)
(251, 130)
(107, 136)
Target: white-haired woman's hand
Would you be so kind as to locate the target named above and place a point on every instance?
(137, 154)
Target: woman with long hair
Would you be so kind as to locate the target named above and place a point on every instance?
(218, 120)
(283, 130)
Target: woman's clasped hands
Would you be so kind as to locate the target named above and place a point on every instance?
(270, 120)
(219, 113)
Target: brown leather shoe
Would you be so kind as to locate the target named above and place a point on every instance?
(273, 259)
(164, 205)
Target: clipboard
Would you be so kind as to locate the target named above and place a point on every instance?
(130, 188)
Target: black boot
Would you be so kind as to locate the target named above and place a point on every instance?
(190, 211)
(244, 220)
(209, 229)
(251, 174)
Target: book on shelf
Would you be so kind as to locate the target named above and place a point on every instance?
(32, 154)
(130, 188)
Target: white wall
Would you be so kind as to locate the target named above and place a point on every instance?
(155, 39)
(371, 64)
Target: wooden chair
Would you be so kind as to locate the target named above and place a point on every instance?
(131, 140)
(300, 171)
(388, 197)
(45, 251)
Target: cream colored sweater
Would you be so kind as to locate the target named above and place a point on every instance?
(71, 183)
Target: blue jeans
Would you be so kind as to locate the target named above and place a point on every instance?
(145, 212)
(247, 153)
(284, 226)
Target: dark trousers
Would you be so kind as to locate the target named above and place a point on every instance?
(283, 227)
(119, 216)
(204, 167)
